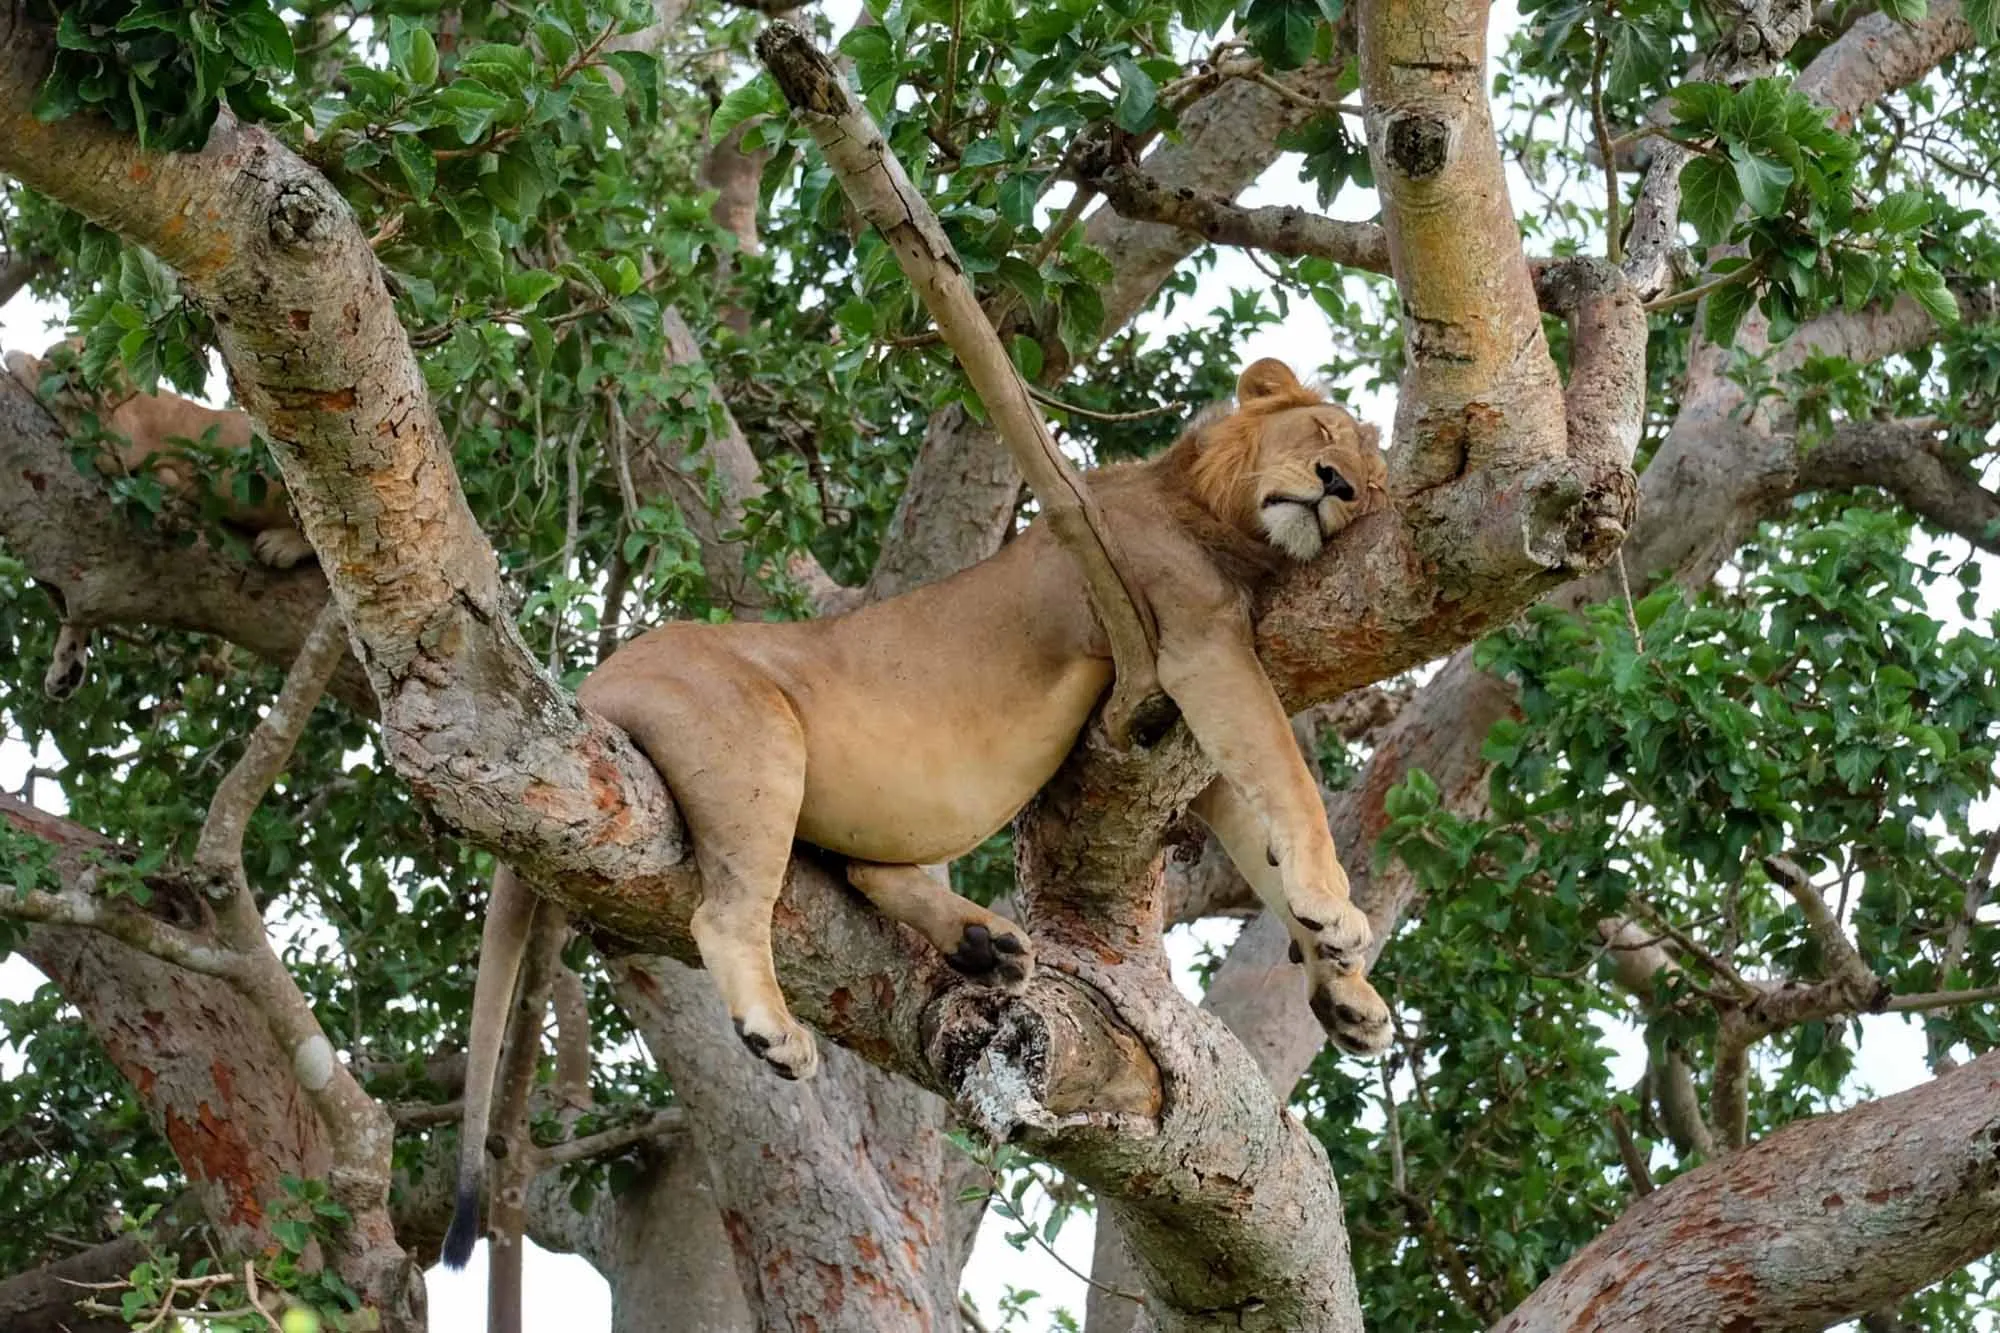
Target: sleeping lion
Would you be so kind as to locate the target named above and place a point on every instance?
(905, 733)
(151, 431)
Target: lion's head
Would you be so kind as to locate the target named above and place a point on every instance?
(1288, 465)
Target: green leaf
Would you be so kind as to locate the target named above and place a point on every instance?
(1137, 94)
(1764, 183)
(982, 153)
(413, 51)
(1984, 16)
(499, 65)
(1017, 198)
(471, 108)
(1723, 310)
(515, 186)
(1282, 31)
(1903, 211)
(1698, 107)
(641, 72)
(1927, 285)
(1026, 279)
(1906, 11)
(259, 39)
(1027, 356)
(526, 289)
(759, 97)
(558, 43)
(418, 165)
(1710, 196)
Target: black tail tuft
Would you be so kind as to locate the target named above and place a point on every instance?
(464, 1233)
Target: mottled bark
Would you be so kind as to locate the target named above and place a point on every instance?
(1825, 1220)
(237, 1100)
(1904, 459)
(833, 1215)
(1280, 230)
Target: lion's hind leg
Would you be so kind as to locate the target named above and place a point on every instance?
(733, 753)
(1353, 1014)
(979, 943)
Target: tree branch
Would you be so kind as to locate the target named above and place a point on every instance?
(219, 852)
(16, 273)
(1767, 1236)
(876, 184)
(110, 571)
(1903, 458)
(1279, 230)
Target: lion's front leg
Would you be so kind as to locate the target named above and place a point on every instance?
(1230, 705)
(1347, 1007)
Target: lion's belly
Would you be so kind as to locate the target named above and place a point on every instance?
(935, 776)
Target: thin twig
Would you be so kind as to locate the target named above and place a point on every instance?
(1399, 1175)
(1940, 999)
(1048, 399)
(1298, 98)
(1628, 1153)
(1614, 241)
(1693, 294)
(1006, 1206)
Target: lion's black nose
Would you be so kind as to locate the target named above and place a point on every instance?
(1336, 485)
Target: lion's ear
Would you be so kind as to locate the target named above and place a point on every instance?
(1371, 438)
(1268, 378)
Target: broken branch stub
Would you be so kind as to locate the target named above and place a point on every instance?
(881, 191)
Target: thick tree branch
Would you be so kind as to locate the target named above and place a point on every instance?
(242, 1103)
(1767, 1238)
(1137, 194)
(1903, 458)
(1880, 54)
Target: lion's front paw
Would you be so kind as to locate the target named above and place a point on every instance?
(780, 1042)
(281, 548)
(995, 952)
(1355, 1018)
(1340, 934)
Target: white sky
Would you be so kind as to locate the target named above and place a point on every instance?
(564, 1292)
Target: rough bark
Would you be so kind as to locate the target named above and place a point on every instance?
(1903, 458)
(1279, 230)
(237, 1124)
(1825, 1220)
(239, 1108)
(834, 1211)
(502, 755)
(1714, 477)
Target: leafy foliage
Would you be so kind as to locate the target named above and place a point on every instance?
(538, 185)
(162, 69)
